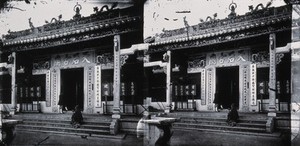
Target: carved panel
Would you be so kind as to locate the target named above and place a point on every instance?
(253, 84)
(261, 58)
(279, 56)
(195, 65)
(41, 64)
(90, 87)
(48, 89)
(203, 79)
(97, 86)
(106, 60)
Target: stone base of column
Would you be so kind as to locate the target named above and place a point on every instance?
(167, 110)
(115, 123)
(116, 116)
(272, 111)
(272, 114)
(270, 124)
(114, 126)
(13, 110)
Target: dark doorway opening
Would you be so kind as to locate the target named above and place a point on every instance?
(227, 86)
(72, 87)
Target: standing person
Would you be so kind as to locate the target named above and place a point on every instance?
(77, 118)
(217, 102)
(62, 103)
(233, 116)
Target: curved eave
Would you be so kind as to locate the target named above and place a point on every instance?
(63, 33)
(243, 26)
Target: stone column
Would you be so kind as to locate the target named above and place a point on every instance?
(272, 84)
(168, 83)
(295, 75)
(114, 126)
(117, 69)
(272, 76)
(13, 83)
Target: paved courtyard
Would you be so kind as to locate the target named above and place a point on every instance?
(180, 138)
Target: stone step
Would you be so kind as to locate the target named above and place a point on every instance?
(223, 122)
(107, 123)
(220, 127)
(234, 132)
(63, 129)
(64, 117)
(67, 125)
(222, 114)
(253, 121)
(119, 136)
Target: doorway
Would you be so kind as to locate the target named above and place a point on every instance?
(227, 86)
(72, 87)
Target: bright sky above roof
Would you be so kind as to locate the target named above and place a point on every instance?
(159, 14)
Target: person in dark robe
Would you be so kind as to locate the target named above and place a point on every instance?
(77, 118)
(62, 103)
(233, 116)
(217, 103)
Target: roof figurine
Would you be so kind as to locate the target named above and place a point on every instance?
(232, 8)
(77, 9)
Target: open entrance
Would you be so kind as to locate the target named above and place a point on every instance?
(72, 87)
(227, 86)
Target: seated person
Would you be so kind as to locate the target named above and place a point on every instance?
(141, 126)
(232, 116)
(77, 118)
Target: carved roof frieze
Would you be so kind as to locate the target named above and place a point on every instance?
(69, 31)
(254, 19)
(206, 40)
(74, 37)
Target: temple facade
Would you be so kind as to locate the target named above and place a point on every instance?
(71, 59)
(242, 59)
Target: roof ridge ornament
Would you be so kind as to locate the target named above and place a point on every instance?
(232, 8)
(77, 9)
(113, 6)
(251, 8)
